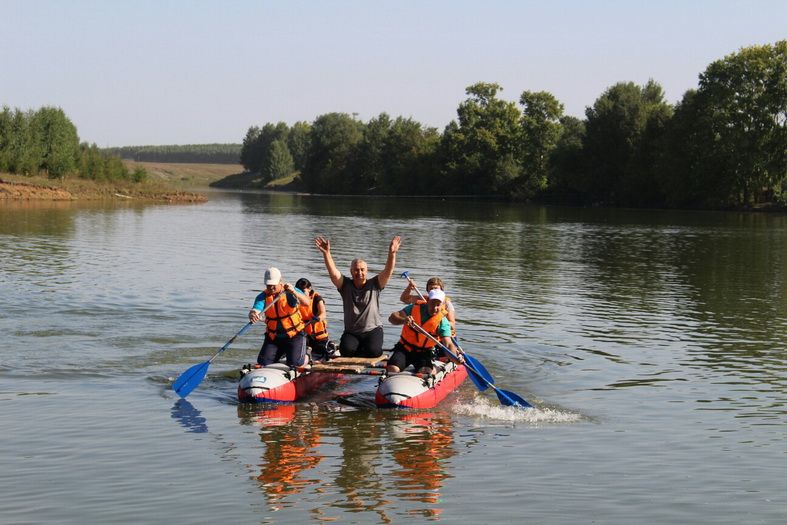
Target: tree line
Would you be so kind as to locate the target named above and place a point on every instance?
(196, 153)
(724, 144)
(45, 141)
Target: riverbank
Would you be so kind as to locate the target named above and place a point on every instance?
(17, 187)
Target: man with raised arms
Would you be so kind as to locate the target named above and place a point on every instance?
(363, 326)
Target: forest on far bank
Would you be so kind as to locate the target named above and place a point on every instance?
(723, 145)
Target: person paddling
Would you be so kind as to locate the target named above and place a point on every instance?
(408, 297)
(413, 347)
(363, 326)
(284, 334)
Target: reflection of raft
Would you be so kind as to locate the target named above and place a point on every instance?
(279, 383)
(408, 390)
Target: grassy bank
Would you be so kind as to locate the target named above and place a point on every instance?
(18, 187)
(166, 181)
(185, 176)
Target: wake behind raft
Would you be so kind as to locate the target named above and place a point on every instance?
(278, 383)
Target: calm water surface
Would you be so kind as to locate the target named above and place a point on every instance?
(651, 343)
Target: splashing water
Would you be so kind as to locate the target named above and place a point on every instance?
(483, 408)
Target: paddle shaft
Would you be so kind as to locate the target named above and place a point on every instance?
(407, 276)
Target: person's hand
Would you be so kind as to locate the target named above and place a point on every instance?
(410, 321)
(395, 243)
(288, 288)
(254, 316)
(323, 244)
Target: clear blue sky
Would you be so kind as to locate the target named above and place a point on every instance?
(189, 72)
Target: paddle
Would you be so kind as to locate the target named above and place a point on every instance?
(191, 378)
(506, 398)
(479, 375)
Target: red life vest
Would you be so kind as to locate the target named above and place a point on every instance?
(315, 327)
(284, 315)
(414, 341)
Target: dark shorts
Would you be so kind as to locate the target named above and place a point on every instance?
(367, 344)
(402, 358)
(273, 349)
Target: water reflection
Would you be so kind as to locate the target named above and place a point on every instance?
(423, 443)
(189, 417)
(354, 460)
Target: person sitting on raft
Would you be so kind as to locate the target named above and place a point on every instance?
(284, 334)
(414, 348)
(408, 297)
(315, 316)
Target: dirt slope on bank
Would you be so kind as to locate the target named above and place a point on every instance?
(14, 187)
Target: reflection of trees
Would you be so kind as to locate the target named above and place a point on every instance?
(734, 276)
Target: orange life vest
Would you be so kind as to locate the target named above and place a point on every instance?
(315, 327)
(284, 315)
(414, 341)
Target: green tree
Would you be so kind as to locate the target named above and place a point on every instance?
(745, 97)
(6, 138)
(370, 164)
(541, 128)
(269, 134)
(281, 163)
(481, 149)
(409, 160)
(250, 156)
(566, 163)
(614, 140)
(57, 140)
(24, 150)
(298, 143)
(332, 150)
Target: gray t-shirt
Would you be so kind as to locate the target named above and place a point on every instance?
(361, 305)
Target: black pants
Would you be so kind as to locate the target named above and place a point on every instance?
(273, 349)
(367, 344)
(401, 358)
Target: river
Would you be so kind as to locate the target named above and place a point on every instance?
(652, 344)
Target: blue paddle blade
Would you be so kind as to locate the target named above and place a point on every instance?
(480, 369)
(190, 379)
(511, 399)
(477, 380)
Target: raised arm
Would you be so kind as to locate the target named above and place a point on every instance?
(384, 276)
(324, 245)
(407, 297)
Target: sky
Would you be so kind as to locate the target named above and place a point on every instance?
(161, 72)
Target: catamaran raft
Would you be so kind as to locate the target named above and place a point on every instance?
(277, 383)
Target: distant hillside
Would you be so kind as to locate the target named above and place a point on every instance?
(186, 174)
(189, 153)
